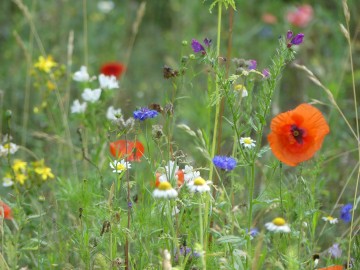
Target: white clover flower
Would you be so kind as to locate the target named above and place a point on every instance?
(247, 142)
(190, 174)
(113, 114)
(278, 225)
(8, 148)
(108, 82)
(7, 181)
(91, 95)
(330, 219)
(105, 6)
(199, 185)
(82, 75)
(165, 190)
(78, 107)
(120, 166)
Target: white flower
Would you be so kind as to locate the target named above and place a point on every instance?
(278, 225)
(7, 181)
(171, 168)
(199, 185)
(91, 95)
(105, 6)
(8, 148)
(241, 88)
(247, 142)
(82, 75)
(108, 82)
(330, 219)
(120, 166)
(113, 114)
(165, 190)
(78, 107)
(190, 174)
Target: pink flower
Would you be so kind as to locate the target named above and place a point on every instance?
(301, 16)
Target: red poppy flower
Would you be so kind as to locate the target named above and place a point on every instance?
(334, 267)
(301, 16)
(5, 210)
(112, 68)
(296, 135)
(132, 150)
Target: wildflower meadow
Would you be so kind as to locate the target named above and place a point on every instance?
(179, 134)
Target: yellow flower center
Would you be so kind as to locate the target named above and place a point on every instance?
(6, 146)
(329, 218)
(164, 186)
(120, 167)
(239, 87)
(199, 181)
(279, 221)
(247, 141)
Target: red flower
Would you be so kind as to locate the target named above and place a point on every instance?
(334, 267)
(301, 16)
(179, 175)
(122, 149)
(5, 210)
(112, 68)
(296, 135)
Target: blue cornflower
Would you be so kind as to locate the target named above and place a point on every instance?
(345, 213)
(225, 163)
(197, 47)
(145, 113)
(253, 232)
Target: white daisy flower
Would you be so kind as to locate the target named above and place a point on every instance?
(171, 168)
(199, 185)
(165, 190)
(7, 181)
(278, 225)
(120, 166)
(190, 174)
(82, 75)
(108, 82)
(241, 88)
(113, 114)
(247, 142)
(330, 219)
(78, 107)
(105, 6)
(91, 95)
(8, 148)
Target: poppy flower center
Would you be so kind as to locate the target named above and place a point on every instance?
(297, 133)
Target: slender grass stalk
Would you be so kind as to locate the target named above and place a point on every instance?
(201, 236)
(85, 36)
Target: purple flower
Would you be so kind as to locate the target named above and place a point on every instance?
(298, 39)
(345, 213)
(144, 113)
(335, 251)
(225, 163)
(252, 64)
(253, 232)
(207, 42)
(289, 35)
(197, 47)
(266, 73)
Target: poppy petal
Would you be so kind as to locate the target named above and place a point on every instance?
(6, 210)
(334, 267)
(133, 150)
(296, 135)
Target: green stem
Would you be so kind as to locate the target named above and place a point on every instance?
(201, 227)
(217, 92)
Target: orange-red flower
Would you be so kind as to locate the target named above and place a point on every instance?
(301, 16)
(179, 176)
(5, 210)
(133, 150)
(296, 135)
(334, 267)
(112, 68)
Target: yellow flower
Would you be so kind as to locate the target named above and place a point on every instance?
(20, 177)
(45, 64)
(19, 165)
(50, 85)
(45, 172)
